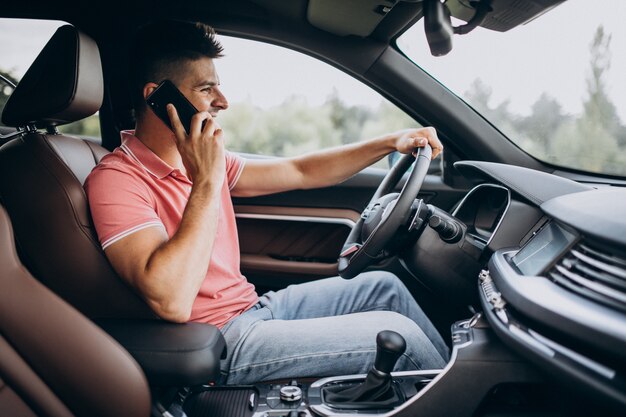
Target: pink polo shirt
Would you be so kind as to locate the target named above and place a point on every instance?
(132, 189)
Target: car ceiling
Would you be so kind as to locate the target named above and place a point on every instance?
(295, 24)
(379, 19)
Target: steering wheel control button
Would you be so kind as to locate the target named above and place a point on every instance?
(368, 211)
(290, 393)
(373, 213)
(388, 208)
(421, 213)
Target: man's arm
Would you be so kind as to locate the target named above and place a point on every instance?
(169, 273)
(327, 167)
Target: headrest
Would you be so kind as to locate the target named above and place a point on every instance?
(63, 85)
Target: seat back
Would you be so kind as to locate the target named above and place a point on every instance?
(53, 361)
(42, 176)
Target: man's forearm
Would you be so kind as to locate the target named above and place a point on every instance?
(176, 270)
(328, 167)
(331, 166)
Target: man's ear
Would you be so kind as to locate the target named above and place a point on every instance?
(148, 89)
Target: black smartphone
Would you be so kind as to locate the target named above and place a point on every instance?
(165, 94)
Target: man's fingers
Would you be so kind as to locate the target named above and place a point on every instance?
(437, 149)
(200, 122)
(430, 136)
(419, 142)
(434, 141)
(177, 126)
(417, 138)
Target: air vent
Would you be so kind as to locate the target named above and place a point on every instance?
(593, 273)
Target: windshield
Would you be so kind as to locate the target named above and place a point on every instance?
(554, 86)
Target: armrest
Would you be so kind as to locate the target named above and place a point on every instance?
(171, 354)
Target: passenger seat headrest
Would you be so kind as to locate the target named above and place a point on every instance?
(63, 85)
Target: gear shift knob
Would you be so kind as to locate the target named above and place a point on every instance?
(389, 347)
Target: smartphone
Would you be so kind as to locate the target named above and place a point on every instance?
(165, 94)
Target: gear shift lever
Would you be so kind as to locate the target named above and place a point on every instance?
(377, 389)
(389, 347)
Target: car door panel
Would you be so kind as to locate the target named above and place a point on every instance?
(297, 236)
(284, 245)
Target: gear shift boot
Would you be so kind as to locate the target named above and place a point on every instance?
(373, 393)
(378, 390)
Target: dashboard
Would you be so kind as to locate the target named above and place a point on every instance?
(540, 251)
(554, 288)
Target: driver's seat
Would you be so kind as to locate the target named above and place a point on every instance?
(41, 186)
(53, 361)
(42, 175)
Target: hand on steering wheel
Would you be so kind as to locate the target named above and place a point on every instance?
(384, 215)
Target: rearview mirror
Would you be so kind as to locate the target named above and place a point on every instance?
(438, 27)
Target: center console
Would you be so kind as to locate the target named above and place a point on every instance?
(478, 363)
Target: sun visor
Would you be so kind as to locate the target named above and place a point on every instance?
(349, 17)
(505, 14)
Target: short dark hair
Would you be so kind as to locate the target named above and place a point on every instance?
(161, 47)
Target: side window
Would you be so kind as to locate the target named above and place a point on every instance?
(21, 40)
(284, 103)
(7, 81)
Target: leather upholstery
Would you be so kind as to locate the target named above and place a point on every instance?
(171, 354)
(63, 85)
(41, 179)
(41, 186)
(12, 404)
(54, 232)
(53, 361)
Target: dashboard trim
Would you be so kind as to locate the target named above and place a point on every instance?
(305, 219)
(539, 348)
(550, 354)
(596, 213)
(544, 301)
(502, 215)
(535, 186)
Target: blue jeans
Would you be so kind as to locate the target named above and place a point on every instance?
(327, 328)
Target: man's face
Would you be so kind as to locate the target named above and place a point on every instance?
(200, 84)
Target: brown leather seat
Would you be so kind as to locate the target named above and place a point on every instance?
(42, 174)
(53, 361)
(41, 187)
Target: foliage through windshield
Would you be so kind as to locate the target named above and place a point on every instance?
(551, 86)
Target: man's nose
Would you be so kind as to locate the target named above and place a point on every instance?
(219, 101)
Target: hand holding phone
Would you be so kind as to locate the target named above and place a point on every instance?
(165, 94)
(201, 157)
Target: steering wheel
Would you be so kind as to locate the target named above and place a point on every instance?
(384, 215)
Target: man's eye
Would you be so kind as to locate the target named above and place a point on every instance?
(207, 90)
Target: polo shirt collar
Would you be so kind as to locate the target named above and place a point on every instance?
(140, 152)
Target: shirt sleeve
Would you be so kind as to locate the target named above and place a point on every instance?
(234, 168)
(120, 205)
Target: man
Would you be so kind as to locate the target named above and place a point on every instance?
(161, 204)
